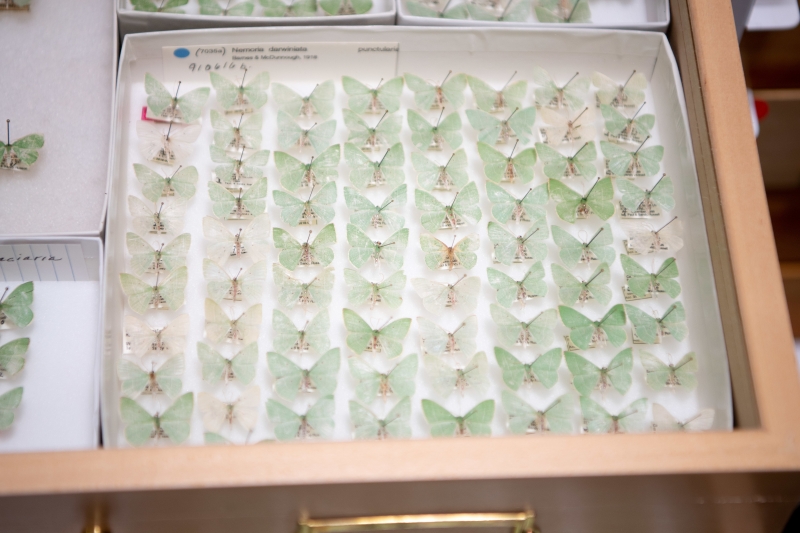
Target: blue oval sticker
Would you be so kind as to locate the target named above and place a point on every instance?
(181, 52)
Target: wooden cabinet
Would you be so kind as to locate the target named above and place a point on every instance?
(743, 480)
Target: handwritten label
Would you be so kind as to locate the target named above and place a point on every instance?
(297, 62)
(42, 262)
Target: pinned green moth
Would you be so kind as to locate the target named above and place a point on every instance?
(363, 249)
(514, 332)
(240, 367)
(664, 421)
(650, 330)
(316, 209)
(173, 424)
(558, 166)
(236, 172)
(639, 163)
(543, 370)
(660, 375)
(518, 11)
(243, 133)
(243, 411)
(477, 422)
(182, 182)
(15, 308)
(360, 290)
(298, 175)
(240, 98)
(517, 249)
(573, 252)
(165, 379)
(296, 8)
(438, 342)
(622, 129)
(428, 95)
(363, 99)
(644, 239)
(293, 253)
(291, 379)
(291, 135)
(525, 419)
(315, 334)
(316, 422)
(564, 11)
(369, 215)
(318, 102)
(461, 254)
(293, 291)
(642, 284)
(8, 402)
(396, 424)
(631, 419)
(12, 357)
(638, 203)
(22, 153)
(250, 242)
(587, 377)
(388, 339)
(163, 106)
(367, 173)
(462, 210)
(494, 101)
(166, 296)
(423, 9)
(445, 379)
(436, 297)
(571, 206)
(244, 329)
(386, 131)
(506, 207)
(426, 136)
(245, 205)
(628, 94)
(166, 218)
(241, 9)
(491, 130)
(163, 6)
(572, 290)
(500, 168)
(166, 147)
(510, 291)
(399, 381)
(140, 338)
(245, 285)
(571, 95)
(433, 177)
(572, 127)
(586, 333)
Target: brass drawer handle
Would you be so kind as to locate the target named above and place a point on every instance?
(518, 522)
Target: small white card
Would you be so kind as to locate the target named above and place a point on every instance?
(300, 62)
(42, 262)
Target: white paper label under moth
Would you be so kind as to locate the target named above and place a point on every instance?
(300, 62)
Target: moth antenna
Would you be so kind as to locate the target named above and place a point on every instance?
(629, 78)
(640, 146)
(595, 235)
(445, 78)
(509, 81)
(513, 148)
(438, 120)
(576, 74)
(667, 224)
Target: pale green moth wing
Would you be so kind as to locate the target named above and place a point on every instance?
(391, 336)
(673, 322)
(158, 98)
(397, 421)
(685, 371)
(619, 370)
(555, 164)
(599, 199)
(644, 326)
(585, 375)
(657, 373)
(478, 421)
(365, 424)
(287, 423)
(488, 127)
(595, 418)
(214, 365)
(288, 376)
(324, 372)
(431, 176)
(288, 100)
(359, 334)
(582, 330)
(509, 327)
(510, 290)
(443, 377)
(560, 414)
(139, 424)
(133, 380)
(292, 171)
(285, 333)
(16, 307)
(176, 419)
(442, 422)
(513, 370)
(401, 377)
(325, 165)
(507, 207)
(522, 418)
(429, 137)
(466, 203)
(317, 333)
(12, 358)
(661, 194)
(528, 247)
(665, 278)
(571, 250)
(545, 367)
(434, 212)
(213, 439)
(425, 93)
(567, 200)
(8, 402)
(619, 159)
(321, 98)
(633, 419)
(640, 282)
(243, 363)
(629, 420)
(320, 416)
(612, 325)
(359, 289)
(370, 381)
(540, 329)
(650, 160)
(169, 375)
